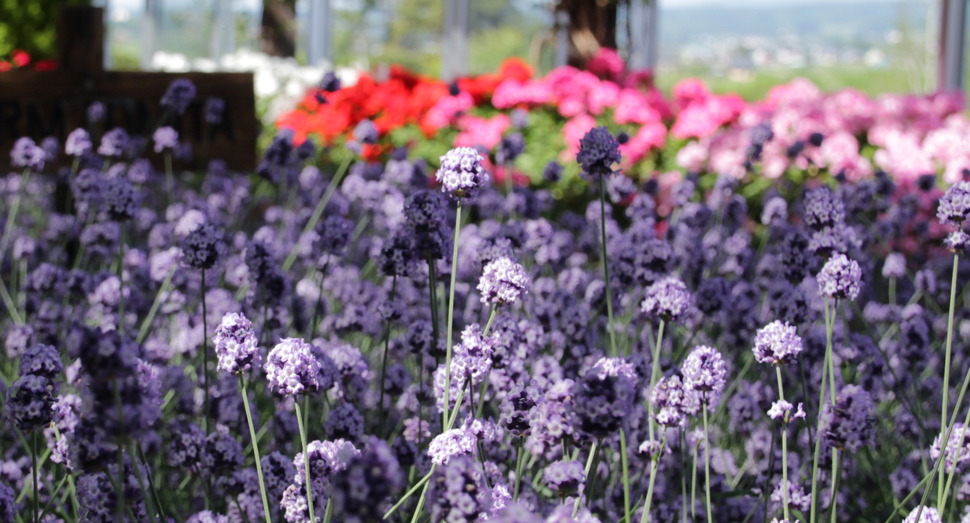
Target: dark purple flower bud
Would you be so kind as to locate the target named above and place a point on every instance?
(179, 95)
(366, 132)
(41, 360)
(516, 409)
(598, 151)
(848, 425)
(223, 454)
(8, 504)
(120, 199)
(213, 110)
(816, 139)
(604, 398)
(509, 148)
(29, 402)
(330, 82)
(364, 490)
(203, 247)
(458, 492)
(926, 182)
(96, 112)
(552, 172)
(823, 209)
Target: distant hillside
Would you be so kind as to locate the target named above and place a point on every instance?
(830, 22)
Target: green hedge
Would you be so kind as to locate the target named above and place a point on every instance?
(30, 25)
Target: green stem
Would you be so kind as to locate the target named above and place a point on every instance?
(306, 458)
(121, 278)
(451, 305)
(410, 493)
(655, 374)
(946, 368)
(169, 175)
(147, 322)
(259, 466)
(836, 474)
(626, 476)
(606, 266)
(34, 474)
(644, 517)
(589, 465)
(519, 462)
(693, 485)
(12, 214)
(829, 324)
(784, 447)
(318, 211)
(949, 481)
(387, 342)
(707, 464)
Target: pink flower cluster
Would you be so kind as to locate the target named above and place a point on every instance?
(911, 135)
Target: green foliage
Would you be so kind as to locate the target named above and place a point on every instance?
(31, 25)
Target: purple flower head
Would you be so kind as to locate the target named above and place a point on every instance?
(78, 142)
(797, 499)
(823, 209)
(363, 491)
(203, 247)
(345, 422)
(96, 112)
(458, 492)
(51, 147)
(452, 443)
(223, 454)
(509, 148)
(114, 143)
(291, 368)
(958, 242)
(954, 206)
(565, 478)
(673, 401)
(235, 344)
(179, 95)
(41, 360)
(8, 504)
(516, 409)
(598, 151)
(330, 82)
(213, 110)
(366, 132)
(165, 138)
(840, 278)
(847, 425)
(473, 356)
(27, 154)
(120, 199)
(666, 299)
(704, 371)
(777, 343)
(605, 397)
(552, 172)
(187, 447)
(326, 459)
(29, 402)
(461, 173)
(503, 281)
(894, 266)
(207, 516)
(928, 515)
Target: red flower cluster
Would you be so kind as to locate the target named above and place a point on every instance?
(403, 98)
(20, 59)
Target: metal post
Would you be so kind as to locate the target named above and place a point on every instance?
(223, 38)
(562, 38)
(150, 31)
(106, 56)
(953, 17)
(318, 47)
(454, 55)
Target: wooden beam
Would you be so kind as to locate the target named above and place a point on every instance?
(80, 39)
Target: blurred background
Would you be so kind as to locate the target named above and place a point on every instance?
(741, 46)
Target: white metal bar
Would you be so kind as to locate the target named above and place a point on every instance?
(319, 26)
(454, 54)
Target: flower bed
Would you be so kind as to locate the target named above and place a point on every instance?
(351, 335)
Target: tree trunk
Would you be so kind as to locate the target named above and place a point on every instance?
(592, 24)
(279, 27)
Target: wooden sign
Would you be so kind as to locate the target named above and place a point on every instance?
(53, 103)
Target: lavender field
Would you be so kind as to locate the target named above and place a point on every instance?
(760, 318)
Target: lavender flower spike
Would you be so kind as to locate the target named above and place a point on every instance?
(666, 299)
(777, 343)
(840, 278)
(235, 344)
(503, 281)
(704, 371)
(954, 206)
(291, 368)
(461, 173)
